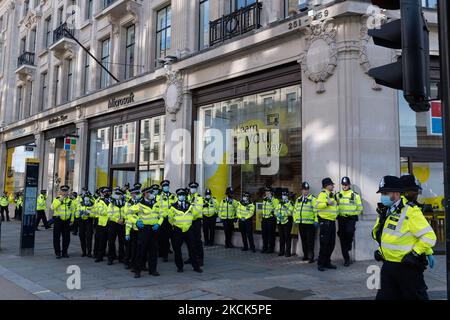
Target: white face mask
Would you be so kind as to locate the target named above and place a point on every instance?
(284, 198)
(245, 199)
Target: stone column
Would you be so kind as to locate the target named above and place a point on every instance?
(40, 155)
(81, 156)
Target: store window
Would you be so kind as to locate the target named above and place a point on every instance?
(124, 143)
(99, 158)
(15, 166)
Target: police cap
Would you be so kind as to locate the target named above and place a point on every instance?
(64, 188)
(181, 192)
(193, 185)
(165, 183)
(326, 182)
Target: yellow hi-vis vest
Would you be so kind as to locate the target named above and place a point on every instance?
(85, 208)
(268, 207)
(165, 202)
(245, 211)
(325, 211)
(4, 201)
(405, 230)
(63, 209)
(41, 202)
(210, 207)
(180, 219)
(304, 210)
(18, 201)
(197, 205)
(131, 217)
(283, 211)
(228, 210)
(349, 203)
(101, 212)
(150, 215)
(117, 214)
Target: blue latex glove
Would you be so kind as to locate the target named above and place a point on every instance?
(127, 237)
(242, 219)
(430, 259)
(140, 224)
(155, 227)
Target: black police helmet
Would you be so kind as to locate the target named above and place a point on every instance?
(410, 183)
(345, 181)
(326, 182)
(208, 192)
(305, 186)
(390, 184)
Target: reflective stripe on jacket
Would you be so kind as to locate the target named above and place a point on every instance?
(304, 210)
(349, 203)
(324, 210)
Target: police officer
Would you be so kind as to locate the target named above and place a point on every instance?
(411, 188)
(166, 199)
(131, 230)
(63, 213)
(86, 222)
(350, 206)
(4, 206)
(269, 221)
(116, 229)
(149, 221)
(245, 213)
(101, 229)
(327, 211)
(196, 202)
(181, 217)
(405, 241)
(283, 212)
(306, 216)
(18, 201)
(210, 209)
(41, 206)
(227, 213)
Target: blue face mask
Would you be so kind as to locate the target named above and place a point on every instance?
(193, 190)
(166, 188)
(181, 198)
(386, 201)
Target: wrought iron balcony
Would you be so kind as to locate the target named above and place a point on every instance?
(236, 23)
(62, 32)
(26, 58)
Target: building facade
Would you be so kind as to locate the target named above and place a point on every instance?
(181, 78)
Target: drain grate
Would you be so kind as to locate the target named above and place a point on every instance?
(281, 293)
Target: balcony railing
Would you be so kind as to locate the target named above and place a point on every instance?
(236, 23)
(26, 58)
(61, 32)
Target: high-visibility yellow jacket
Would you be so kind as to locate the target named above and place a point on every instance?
(117, 214)
(100, 212)
(165, 202)
(349, 203)
(127, 195)
(405, 230)
(304, 210)
(4, 201)
(245, 211)
(131, 217)
(64, 209)
(18, 201)
(41, 202)
(324, 210)
(150, 212)
(268, 207)
(227, 209)
(283, 211)
(76, 206)
(210, 207)
(197, 205)
(181, 218)
(85, 208)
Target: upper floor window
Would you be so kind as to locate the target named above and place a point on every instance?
(60, 16)
(163, 31)
(87, 65)
(291, 6)
(204, 24)
(33, 40)
(233, 5)
(26, 7)
(44, 91)
(430, 4)
(69, 93)
(48, 32)
(129, 54)
(104, 77)
(89, 8)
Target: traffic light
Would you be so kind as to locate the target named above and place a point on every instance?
(410, 34)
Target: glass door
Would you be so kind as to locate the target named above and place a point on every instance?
(121, 177)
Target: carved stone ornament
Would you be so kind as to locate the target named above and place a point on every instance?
(319, 59)
(173, 96)
(37, 126)
(363, 54)
(79, 112)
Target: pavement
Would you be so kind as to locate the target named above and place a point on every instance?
(229, 274)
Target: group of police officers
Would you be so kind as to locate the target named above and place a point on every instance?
(143, 221)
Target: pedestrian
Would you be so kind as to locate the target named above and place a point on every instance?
(196, 202)
(269, 222)
(181, 217)
(131, 230)
(86, 222)
(166, 199)
(41, 206)
(149, 221)
(63, 215)
(283, 212)
(101, 229)
(305, 215)
(411, 189)
(350, 207)
(4, 206)
(245, 214)
(406, 242)
(210, 210)
(327, 211)
(227, 214)
(116, 227)
(18, 206)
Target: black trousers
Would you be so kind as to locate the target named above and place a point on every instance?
(198, 243)
(346, 233)
(228, 228)
(401, 282)
(101, 238)
(86, 233)
(165, 234)
(268, 228)
(307, 234)
(116, 231)
(177, 242)
(61, 230)
(285, 236)
(246, 228)
(327, 241)
(75, 226)
(131, 248)
(18, 213)
(209, 229)
(5, 210)
(40, 215)
(147, 249)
